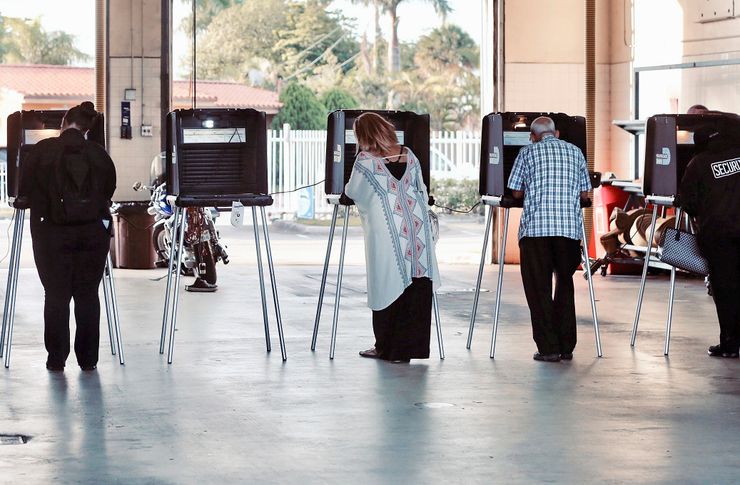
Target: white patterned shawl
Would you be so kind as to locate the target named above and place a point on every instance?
(395, 220)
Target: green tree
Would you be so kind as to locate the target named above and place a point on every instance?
(443, 82)
(3, 38)
(442, 7)
(301, 109)
(205, 11)
(338, 98)
(267, 40)
(26, 41)
(447, 48)
(240, 40)
(312, 36)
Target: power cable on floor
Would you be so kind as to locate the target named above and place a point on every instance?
(467, 211)
(297, 189)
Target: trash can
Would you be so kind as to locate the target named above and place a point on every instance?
(133, 229)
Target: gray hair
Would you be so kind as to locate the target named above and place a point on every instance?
(542, 126)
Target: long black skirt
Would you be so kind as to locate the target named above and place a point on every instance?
(402, 329)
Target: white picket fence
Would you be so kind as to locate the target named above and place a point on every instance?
(296, 159)
(3, 184)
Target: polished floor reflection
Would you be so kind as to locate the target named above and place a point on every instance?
(227, 412)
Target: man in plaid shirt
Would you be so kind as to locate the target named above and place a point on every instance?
(551, 176)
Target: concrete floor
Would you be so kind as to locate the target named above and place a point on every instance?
(227, 412)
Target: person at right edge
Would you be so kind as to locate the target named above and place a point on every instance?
(710, 191)
(551, 175)
(68, 182)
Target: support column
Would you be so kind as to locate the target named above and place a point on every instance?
(136, 64)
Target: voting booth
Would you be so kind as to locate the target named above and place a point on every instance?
(503, 137)
(25, 130)
(412, 131)
(671, 142)
(217, 158)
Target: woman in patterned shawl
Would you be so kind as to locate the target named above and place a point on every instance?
(387, 186)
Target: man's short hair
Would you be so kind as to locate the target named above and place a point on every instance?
(542, 125)
(697, 109)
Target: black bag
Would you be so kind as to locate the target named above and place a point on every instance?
(75, 196)
(681, 249)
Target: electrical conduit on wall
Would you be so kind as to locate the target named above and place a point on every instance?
(100, 57)
(590, 62)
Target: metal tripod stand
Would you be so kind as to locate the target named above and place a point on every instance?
(334, 200)
(664, 202)
(11, 291)
(494, 203)
(176, 250)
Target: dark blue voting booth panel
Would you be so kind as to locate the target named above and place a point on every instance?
(217, 156)
(26, 128)
(341, 149)
(670, 146)
(503, 136)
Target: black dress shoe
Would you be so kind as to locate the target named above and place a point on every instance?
(546, 357)
(88, 368)
(54, 368)
(370, 353)
(716, 351)
(566, 356)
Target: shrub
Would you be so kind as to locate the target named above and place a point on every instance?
(456, 194)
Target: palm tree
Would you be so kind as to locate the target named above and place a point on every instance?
(377, 36)
(391, 7)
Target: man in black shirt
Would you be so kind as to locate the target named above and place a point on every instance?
(710, 191)
(68, 182)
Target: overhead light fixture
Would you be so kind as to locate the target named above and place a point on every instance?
(208, 124)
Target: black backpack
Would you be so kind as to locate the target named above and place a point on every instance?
(75, 196)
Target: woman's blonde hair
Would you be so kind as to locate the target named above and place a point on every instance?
(375, 134)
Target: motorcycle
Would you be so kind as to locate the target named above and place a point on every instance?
(202, 248)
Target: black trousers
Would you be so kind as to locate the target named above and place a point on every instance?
(723, 255)
(403, 328)
(70, 261)
(553, 317)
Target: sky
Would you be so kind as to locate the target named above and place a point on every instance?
(77, 17)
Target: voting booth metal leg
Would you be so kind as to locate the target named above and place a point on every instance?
(260, 272)
(499, 286)
(476, 295)
(12, 277)
(671, 296)
(644, 275)
(172, 266)
(438, 322)
(592, 298)
(273, 284)
(108, 315)
(12, 289)
(176, 295)
(111, 304)
(327, 259)
(342, 249)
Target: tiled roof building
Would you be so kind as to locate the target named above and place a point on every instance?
(61, 87)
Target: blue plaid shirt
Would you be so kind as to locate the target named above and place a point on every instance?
(552, 173)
